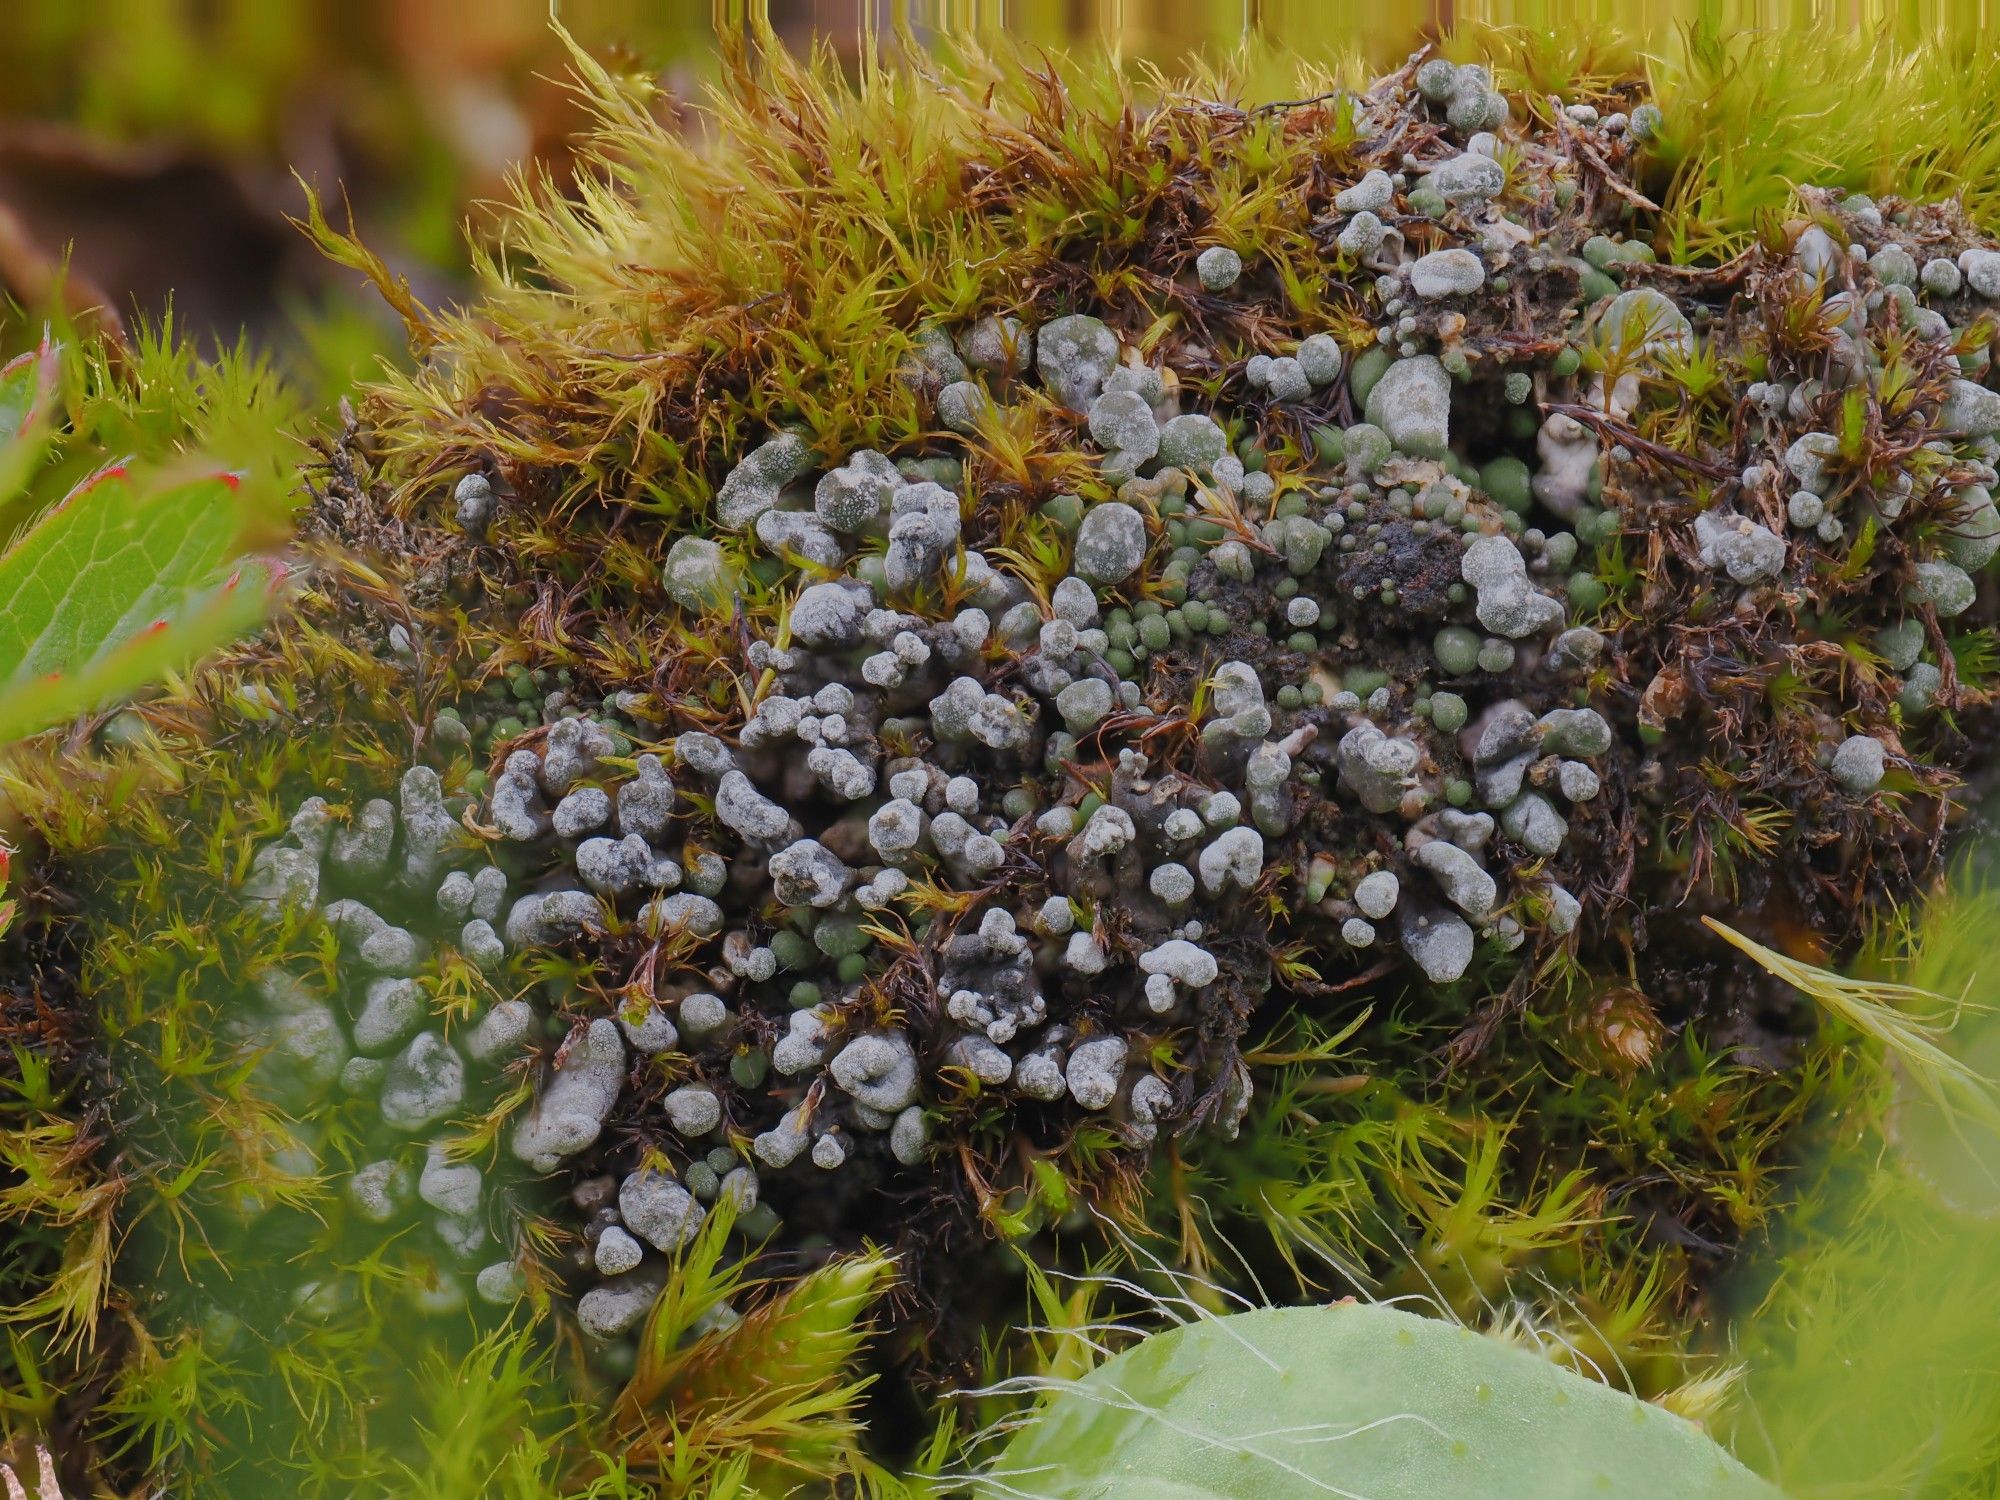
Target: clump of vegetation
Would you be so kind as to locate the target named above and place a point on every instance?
(976, 658)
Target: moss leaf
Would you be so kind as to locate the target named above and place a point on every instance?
(777, 1389)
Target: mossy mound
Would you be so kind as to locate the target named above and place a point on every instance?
(975, 659)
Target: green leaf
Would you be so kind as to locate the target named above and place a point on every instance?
(27, 412)
(1356, 1400)
(128, 578)
(1867, 1343)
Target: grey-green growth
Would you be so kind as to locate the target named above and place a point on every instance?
(1020, 798)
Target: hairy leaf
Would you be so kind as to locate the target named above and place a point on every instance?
(130, 577)
(1352, 1400)
(27, 410)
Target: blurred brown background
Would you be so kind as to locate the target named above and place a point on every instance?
(147, 146)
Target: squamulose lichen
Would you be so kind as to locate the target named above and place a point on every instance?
(1385, 651)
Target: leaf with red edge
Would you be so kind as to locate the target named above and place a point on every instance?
(130, 577)
(28, 390)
